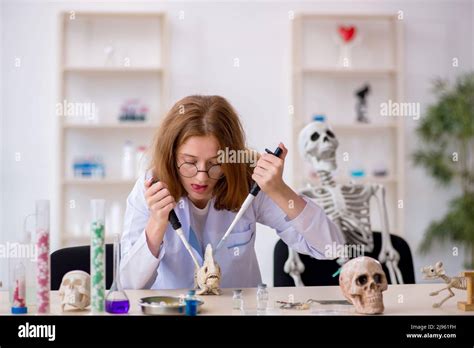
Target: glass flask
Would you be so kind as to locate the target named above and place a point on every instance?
(117, 301)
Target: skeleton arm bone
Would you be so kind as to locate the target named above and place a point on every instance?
(387, 254)
(294, 267)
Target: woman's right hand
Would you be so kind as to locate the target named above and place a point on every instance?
(160, 203)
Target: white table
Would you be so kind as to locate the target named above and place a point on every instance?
(398, 299)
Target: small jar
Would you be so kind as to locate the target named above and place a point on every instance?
(237, 300)
(262, 297)
(191, 303)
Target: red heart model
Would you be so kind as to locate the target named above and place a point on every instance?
(347, 33)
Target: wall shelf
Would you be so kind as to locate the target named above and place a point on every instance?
(369, 127)
(93, 181)
(107, 60)
(347, 72)
(368, 179)
(111, 70)
(105, 126)
(321, 85)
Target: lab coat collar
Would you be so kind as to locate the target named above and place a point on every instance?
(221, 219)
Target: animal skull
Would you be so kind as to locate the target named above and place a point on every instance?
(75, 290)
(318, 145)
(430, 272)
(362, 281)
(208, 277)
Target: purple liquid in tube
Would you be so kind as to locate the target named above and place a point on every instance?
(117, 307)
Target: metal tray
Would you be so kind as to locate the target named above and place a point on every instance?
(164, 305)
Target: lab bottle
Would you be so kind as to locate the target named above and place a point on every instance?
(191, 303)
(262, 298)
(140, 161)
(237, 300)
(128, 165)
(117, 301)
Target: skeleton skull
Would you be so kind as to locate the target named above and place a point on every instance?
(318, 145)
(430, 272)
(362, 281)
(75, 290)
(208, 277)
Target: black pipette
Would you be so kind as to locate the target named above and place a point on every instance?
(176, 224)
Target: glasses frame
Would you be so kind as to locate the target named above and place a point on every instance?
(197, 170)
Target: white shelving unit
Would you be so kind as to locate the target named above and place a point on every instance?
(105, 59)
(320, 85)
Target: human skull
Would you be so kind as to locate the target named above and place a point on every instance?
(318, 145)
(362, 281)
(75, 290)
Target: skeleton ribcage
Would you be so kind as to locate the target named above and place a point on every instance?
(348, 206)
(460, 283)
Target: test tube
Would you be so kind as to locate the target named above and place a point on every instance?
(18, 290)
(42, 244)
(98, 256)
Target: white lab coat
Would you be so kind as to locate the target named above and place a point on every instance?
(309, 233)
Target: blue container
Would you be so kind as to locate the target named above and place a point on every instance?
(191, 303)
(319, 118)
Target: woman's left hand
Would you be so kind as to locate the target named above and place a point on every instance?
(268, 175)
(269, 170)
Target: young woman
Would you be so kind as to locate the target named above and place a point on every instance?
(206, 190)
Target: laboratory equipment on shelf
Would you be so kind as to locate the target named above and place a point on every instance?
(133, 110)
(128, 165)
(88, 167)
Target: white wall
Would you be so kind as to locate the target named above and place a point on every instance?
(203, 46)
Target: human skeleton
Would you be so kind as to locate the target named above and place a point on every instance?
(347, 205)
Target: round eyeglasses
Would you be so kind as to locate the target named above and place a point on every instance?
(189, 170)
